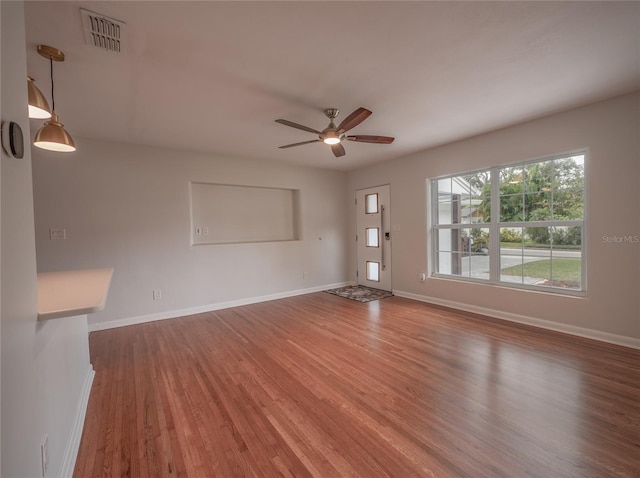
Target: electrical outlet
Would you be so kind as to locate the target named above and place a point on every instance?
(205, 231)
(157, 294)
(198, 231)
(44, 454)
(305, 275)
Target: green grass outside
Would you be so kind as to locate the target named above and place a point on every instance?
(565, 271)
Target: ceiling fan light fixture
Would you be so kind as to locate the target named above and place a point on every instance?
(331, 140)
(38, 105)
(53, 137)
(334, 136)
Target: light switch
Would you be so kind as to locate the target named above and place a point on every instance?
(55, 234)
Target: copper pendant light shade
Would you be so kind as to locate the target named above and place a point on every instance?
(38, 106)
(52, 136)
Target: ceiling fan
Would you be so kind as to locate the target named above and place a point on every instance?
(333, 135)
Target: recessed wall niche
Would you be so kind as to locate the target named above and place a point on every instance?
(228, 214)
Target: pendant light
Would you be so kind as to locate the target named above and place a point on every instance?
(52, 136)
(38, 106)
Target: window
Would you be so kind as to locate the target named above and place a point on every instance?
(373, 271)
(371, 204)
(520, 225)
(373, 236)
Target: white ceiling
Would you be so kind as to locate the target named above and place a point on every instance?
(213, 76)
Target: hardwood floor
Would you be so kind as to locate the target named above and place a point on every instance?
(319, 385)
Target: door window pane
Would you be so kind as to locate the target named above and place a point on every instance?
(371, 203)
(373, 237)
(373, 271)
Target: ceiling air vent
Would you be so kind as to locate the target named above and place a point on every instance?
(103, 32)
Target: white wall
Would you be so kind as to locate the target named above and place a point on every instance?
(44, 365)
(610, 130)
(127, 207)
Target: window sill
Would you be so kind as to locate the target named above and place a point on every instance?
(572, 293)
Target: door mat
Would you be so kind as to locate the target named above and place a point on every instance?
(360, 293)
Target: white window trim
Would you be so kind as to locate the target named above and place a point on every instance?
(494, 229)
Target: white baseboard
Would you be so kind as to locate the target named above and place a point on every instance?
(172, 314)
(73, 445)
(523, 319)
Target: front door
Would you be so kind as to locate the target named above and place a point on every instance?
(373, 237)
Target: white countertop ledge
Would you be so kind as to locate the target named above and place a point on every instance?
(69, 293)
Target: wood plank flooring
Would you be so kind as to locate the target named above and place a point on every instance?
(322, 386)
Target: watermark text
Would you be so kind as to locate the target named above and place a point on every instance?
(630, 239)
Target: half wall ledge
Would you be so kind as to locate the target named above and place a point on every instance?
(71, 293)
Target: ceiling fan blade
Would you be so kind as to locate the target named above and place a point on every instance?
(297, 126)
(338, 150)
(354, 119)
(366, 138)
(299, 144)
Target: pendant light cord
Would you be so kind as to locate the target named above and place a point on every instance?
(53, 100)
